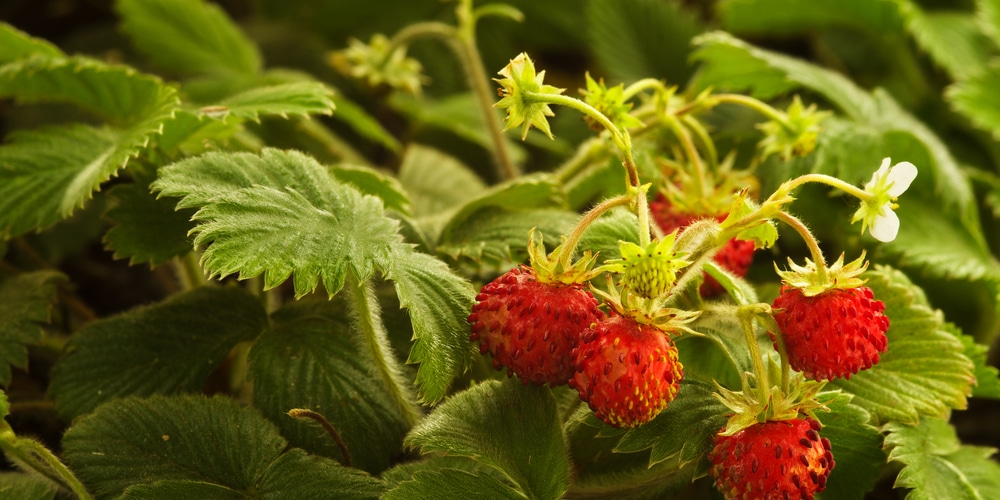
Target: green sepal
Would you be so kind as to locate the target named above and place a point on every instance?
(552, 268)
(518, 82)
(651, 271)
(795, 135)
(750, 407)
(761, 232)
(811, 282)
(610, 102)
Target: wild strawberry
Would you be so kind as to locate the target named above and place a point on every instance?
(531, 327)
(779, 459)
(626, 371)
(736, 256)
(832, 334)
(651, 271)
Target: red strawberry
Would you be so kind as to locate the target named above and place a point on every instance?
(736, 256)
(833, 334)
(531, 327)
(780, 460)
(626, 371)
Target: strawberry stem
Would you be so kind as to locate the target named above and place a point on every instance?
(747, 314)
(563, 255)
(640, 85)
(691, 152)
(754, 104)
(817, 254)
(831, 181)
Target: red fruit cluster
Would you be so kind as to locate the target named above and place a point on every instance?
(736, 256)
(627, 372)
(780, 460)
(833, 334)
(531, 327)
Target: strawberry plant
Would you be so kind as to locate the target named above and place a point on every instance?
(470, 249)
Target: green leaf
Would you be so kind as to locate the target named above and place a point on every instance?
(363, 123)
(603, 236)
(146, 228)
(684, 432)
(167, 348)
(190, 37)
(300, 98)
(501, 236)
(636, 39)
(974, 98)
(436, 181)
(116, 93)
(371, 181)
(16, 44)
(439, 301)
(988, 17)
(25, 487)
(987, 376)
(856, 445)
(534, 191)
(506, 425)
(280, 213)
(452, 484)
(924, 371)
(937, 465)
(25, 303)
(791, 17)
(952, 39)
(309, 359)
(173, 443)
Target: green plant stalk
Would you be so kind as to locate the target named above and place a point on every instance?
(704, 138)
(329, 141)
(569, 246)
(756, 105)
(640, 85)
(31, 454)
(590, 151)
(373, 336)
(817, 253)
(701, 176)
(304, 413)
(188, 271)
(462, 42)
(747, 315)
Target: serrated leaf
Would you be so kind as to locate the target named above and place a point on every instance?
(987, 376)
(146, 228)
(169, 443)
(371, 181)
(436, 181)
(308, 359)
(952, 39)
(508, 426)
(635, 39)
(856, 446)
(438, 301)
(117, 93)
(300, 98)
(167, 348)
(684, 431)
(603, 236)
(363, 123)
(16, 44)
(974, 98)
(26, 487)
(280, 213)
(924, 371)
(988, 17)
(789, 17)
(189, 37)
(452, 484)
(526, 192)
(931, 241)
(25, 304)
(501, 236)
(937, 465)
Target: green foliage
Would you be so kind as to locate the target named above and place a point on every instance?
(15, 44)
(302, 98)
(937, 465)
(146, 228)
(192, 444)
(25, 487)
(25, 304)
(497, 424)
(167, 348)
(856, 444)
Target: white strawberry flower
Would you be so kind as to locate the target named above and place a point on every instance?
(877, 211)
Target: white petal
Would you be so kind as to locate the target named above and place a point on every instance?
(882, 171)
(885, 226)
(901, 175)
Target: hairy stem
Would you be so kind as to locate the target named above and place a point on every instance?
(374, 338)
(810, 240)
(30, 454)
(569, 246)
(327, 426)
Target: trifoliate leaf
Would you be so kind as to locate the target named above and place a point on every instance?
(924, 371)
(438, 301)
(856, 446)
(300, 98)
(937, 465)
(25, 304)
(117, 93)
(194, 444)
(280, 213)
(508, 426)
(452, 484)
(683, 432)
(190, 37)
(16, 44)
(791, 17)
(26, 487)
(146, 228)
(167, 348)
(371, 181)
(309, 359)
(635, 39)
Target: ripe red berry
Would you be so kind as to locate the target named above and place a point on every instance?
(781, 460)
(531, 327)
(627, 372)
(833, 334)
(736, 256)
